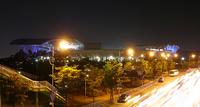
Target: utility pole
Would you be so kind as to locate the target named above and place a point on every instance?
(52, 62)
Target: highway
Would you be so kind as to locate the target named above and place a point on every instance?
(182, 92)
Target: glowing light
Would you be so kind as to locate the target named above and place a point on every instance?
(163, 55)
(130, 52)
(172, 48)
(64, 44)
(193, 55)
(151, 54)
(98, 58)
(130, 58)
(110, 57)
(48, 57)
(36, 60)
(175, 55)
(168, 55)
(182, 92)
(142, 55)
(182, 58)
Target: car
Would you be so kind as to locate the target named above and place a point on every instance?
(173, 72)
(123, 98)
(161, 79)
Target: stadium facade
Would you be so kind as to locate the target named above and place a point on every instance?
(87, 49)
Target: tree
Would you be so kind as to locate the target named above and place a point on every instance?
(113, 71)
(128, 66)
(94, 80)
(66, 79)
(171, 65)
(95, 77)
(145, 68)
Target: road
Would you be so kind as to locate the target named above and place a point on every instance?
(182, 92)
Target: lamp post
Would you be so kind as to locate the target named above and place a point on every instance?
(151, 54)
(163, 56)
(191, 59)
(52, 62)
(130, 53)
(182, 59)
(64, 46)
(142, 55)
(176, 55)
(86, 85)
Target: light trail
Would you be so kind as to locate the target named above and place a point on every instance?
(182, 92)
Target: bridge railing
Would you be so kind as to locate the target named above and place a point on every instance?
(31, 83)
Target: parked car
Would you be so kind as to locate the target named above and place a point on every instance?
(173, 72)
(161, 79)
(123, 98)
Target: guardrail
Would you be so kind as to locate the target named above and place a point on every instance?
(34, 85)
(106, 103)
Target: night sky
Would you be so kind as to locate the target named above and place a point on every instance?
(116, 24)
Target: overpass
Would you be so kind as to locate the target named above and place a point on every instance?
(36, 86)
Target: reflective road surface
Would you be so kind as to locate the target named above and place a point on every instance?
(182, 92)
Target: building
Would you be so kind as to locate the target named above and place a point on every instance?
(88, 49)
(35, 45)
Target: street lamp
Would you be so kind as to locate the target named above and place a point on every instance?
(182, 59)
(130, 52)
(86, 84)
(168, 55)
(192, 61)
(151, 54)
(162, 55)
(176, 55)
(193, 56)
(142, 55)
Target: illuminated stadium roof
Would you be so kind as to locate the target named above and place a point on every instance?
(29, 41)
(45, 44)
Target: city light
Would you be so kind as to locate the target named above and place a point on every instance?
(98, 58)
(130, 58)
(36, 60)
(182, 92)
(48, 57)
(151, 54)
(64, 45)
(142, 55)
(182, 58)
(168, 55)
(130, 52)
(175, 55)
(163, 55)
(111, 57)
(193, 55)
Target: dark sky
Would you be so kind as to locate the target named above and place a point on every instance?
(114, 23)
